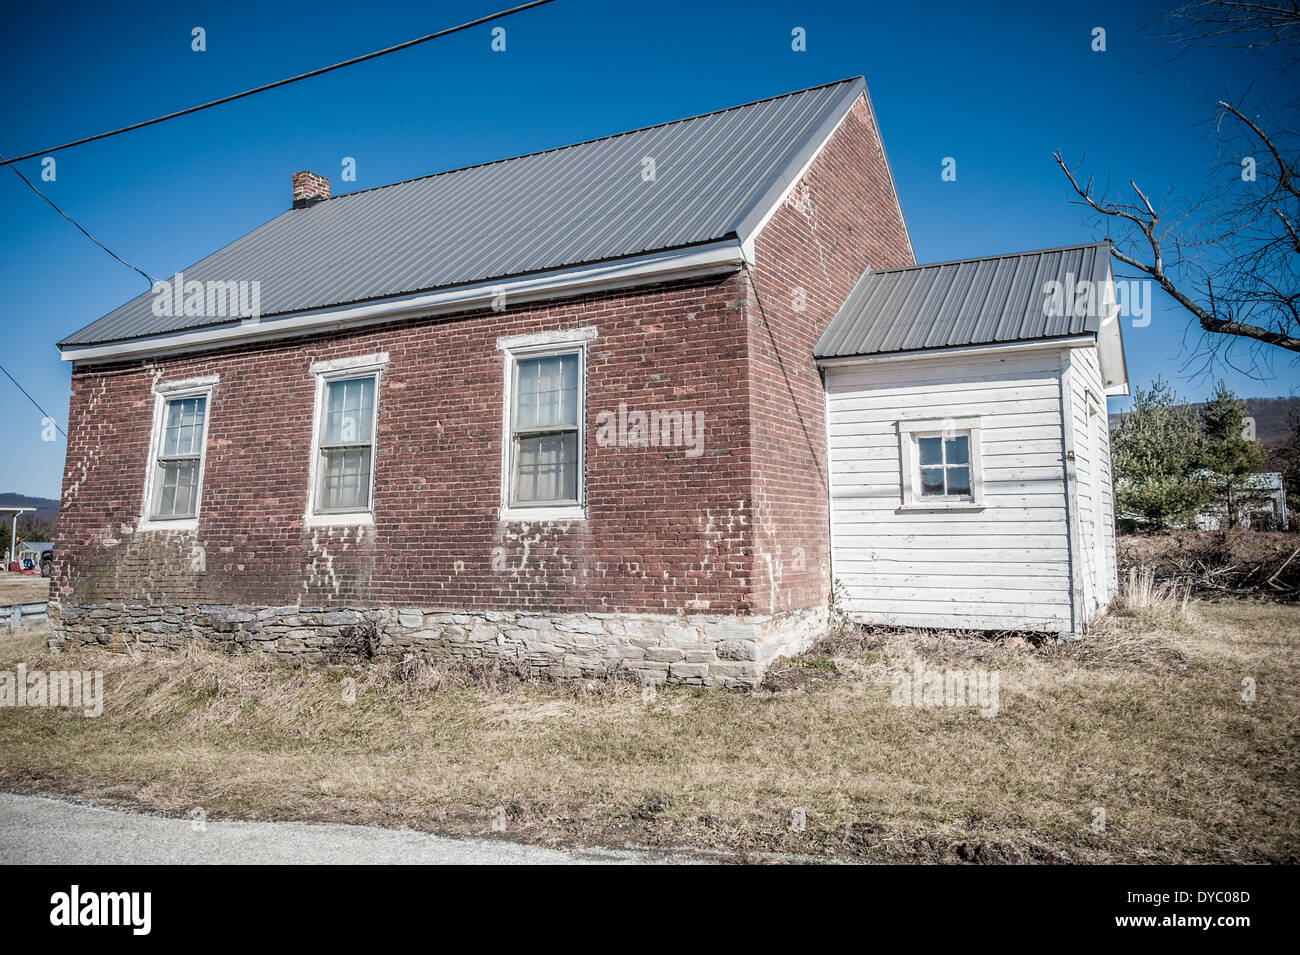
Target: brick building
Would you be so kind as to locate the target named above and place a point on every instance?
(562, 408)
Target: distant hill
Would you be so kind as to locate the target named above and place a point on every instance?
(45, 517)
(1273, 417)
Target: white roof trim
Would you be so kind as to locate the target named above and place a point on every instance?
(749, 240)
(693, 261)
(1110, 344)
(960, 351)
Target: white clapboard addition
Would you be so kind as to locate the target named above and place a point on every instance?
(1031, 552)
(968, 443)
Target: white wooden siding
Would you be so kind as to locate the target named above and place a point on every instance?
(1087, 413)
(1005, 566)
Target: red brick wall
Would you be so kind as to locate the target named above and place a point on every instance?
(840, 219)
(665, 531)
(741, 528)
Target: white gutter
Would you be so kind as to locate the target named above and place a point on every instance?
(709, 259)
(957, 351)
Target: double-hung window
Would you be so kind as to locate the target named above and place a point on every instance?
(544, 432)
(347, 444)
(175, 479)
(343, 452)
(941, 463)
(545, 415)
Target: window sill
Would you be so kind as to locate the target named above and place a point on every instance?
(162, 524)
(564, 512)
(943, 506)
(353, 519)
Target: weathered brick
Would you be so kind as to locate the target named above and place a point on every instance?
(736, 531)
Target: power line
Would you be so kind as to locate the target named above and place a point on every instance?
(33, 401)
(149, 278)
(284, 82)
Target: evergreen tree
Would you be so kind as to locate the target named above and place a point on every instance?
(1232, 459)
(1156, 454)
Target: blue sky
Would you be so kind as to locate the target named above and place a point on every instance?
(997, 87)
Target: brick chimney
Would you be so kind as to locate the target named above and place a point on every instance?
(308, 188)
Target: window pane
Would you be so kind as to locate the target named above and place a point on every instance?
(546, 468)
(183, 426)
(931, 481)
(959, 480)
(546, 392)
(177, 488)
(344, 479)
(931, 450)
(349, 411)
(526, 404)
(957, 450)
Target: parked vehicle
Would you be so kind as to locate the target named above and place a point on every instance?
(35, 556)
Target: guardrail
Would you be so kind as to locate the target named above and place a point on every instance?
(19, 614)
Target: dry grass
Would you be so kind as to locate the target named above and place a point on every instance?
(23, 588)
(1158, 602)
(1145, 720)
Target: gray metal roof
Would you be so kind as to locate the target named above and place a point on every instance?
(715, 174)
(966, 302)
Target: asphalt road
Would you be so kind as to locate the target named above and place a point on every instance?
(43, 830)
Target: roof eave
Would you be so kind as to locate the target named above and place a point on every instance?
(669, 265)
(950, 351)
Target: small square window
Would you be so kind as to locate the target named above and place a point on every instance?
(945, 465)
(940, 463)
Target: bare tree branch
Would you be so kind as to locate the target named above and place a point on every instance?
(1286, 174)
(1213, 313)
(1235, 23)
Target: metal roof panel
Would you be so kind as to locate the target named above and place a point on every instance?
(1000, 298)
(573, 205)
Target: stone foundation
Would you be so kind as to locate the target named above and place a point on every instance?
(700, 649)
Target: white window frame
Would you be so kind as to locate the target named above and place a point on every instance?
(908, 433)
(163, 393)
(341, 369)
(514, 349)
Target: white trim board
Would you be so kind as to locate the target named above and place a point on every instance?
(750, 239)
(165, 391)
(961, 351)
(339, 369)
(514, 348)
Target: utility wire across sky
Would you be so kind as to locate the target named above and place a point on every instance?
(285, 82)
(148, 278)
(218, 102)
(33, 401)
